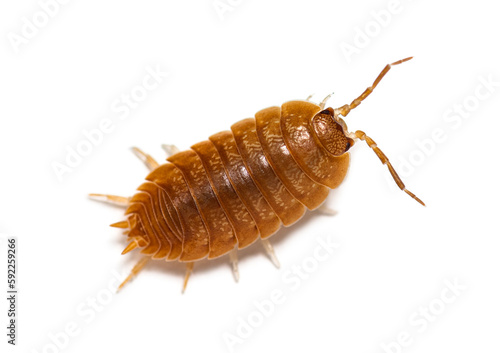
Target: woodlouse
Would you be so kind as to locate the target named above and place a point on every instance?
(241, 185)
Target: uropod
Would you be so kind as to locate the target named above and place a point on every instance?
(240, 186)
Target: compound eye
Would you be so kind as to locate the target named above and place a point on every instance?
(349, 144)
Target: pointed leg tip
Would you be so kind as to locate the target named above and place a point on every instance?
(275, 262)
(137, 152)
(135, 270)
(270, 252)
(189, 270)
(111, 199)
(233, 259)
(120, 287)
(327, 211)
(170, 150)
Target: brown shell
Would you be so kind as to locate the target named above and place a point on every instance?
(236, 187)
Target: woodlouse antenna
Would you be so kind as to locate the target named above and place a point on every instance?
(383, 158)
(345, 109)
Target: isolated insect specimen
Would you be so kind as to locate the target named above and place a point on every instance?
(242, 185)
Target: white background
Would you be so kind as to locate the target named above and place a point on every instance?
(394, 255)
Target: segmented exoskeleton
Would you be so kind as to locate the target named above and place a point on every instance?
(242, 185)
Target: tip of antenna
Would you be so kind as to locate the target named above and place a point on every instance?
(420, 202)
(415, 197)
(401, 61)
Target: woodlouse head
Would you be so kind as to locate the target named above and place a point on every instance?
(332, 131)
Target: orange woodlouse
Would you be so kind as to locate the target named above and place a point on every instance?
(241, 185)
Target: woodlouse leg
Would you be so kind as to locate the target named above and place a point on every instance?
(121, 200)
(344, 110)
(170, 150)
(146, 158)
(383, 158)
(189, 270)
(270, 252)
(137, 268)
(112, 199)
(233, 259)
(323, 102)
(323, 209)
